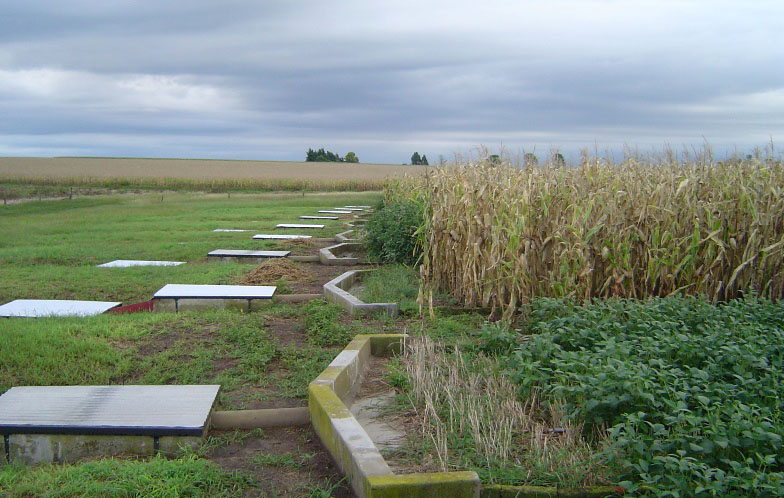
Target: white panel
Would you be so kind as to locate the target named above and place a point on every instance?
(318, 217)
(37, 308)
(297, 225)
(351, 209)
(362, 207)
(241, 253)
(229, 230)
(271, 236)
(125, 263)
(334, 211)
(107, 409)
(184, 291)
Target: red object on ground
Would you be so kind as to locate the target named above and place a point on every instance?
(133, 308)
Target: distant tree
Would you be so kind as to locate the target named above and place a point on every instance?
(415, 159)
(424, 160)
(495, 159)
(530, 159)
(323, 156)
(558, 159)
(351, 157)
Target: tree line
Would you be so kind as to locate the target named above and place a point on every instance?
(326, 156)
(416, 160)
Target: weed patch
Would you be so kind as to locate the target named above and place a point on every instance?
(323, 327)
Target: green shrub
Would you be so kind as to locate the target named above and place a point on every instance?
(390, 233)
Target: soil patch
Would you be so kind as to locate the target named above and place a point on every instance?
(287, 331)
(309, 466)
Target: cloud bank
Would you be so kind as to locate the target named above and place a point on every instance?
(267, 80)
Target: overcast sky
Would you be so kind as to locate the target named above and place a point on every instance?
(268, 79)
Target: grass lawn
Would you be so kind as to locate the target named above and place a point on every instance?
(49, 251)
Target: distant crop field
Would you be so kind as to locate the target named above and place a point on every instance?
(203, 174)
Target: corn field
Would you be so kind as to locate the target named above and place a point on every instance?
(497, 236)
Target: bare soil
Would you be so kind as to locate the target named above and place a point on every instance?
(319, 470)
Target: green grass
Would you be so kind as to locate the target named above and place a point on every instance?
(299, 366)
(157, 477)
(223, 346)
(322, 325)
(49, 249)
(392, 284)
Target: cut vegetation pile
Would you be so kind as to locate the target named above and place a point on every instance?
(273, 270)
(496, 236)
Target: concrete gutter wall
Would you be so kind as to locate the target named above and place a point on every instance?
(336, 291)
(349, 444)
(347, 236)
(332, 255)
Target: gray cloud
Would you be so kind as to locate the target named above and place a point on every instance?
(270, 79)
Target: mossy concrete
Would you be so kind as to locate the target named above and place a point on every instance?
(350, 445)
(343, 437)
(344, 372)
(425, 485)
(386, 344)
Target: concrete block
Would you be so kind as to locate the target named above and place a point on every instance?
(60, 448)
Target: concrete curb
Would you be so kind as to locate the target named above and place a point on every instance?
(349, 444)
(347, 236)
(261, 418)
(331, 255)
(336, 291)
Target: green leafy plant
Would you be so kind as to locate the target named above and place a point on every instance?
(496, 338)
(390, 233)
(690, 391)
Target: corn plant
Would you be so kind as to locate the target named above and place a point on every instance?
(496, 236)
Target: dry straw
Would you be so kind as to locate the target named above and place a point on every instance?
(456, 395)
(497, 236)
